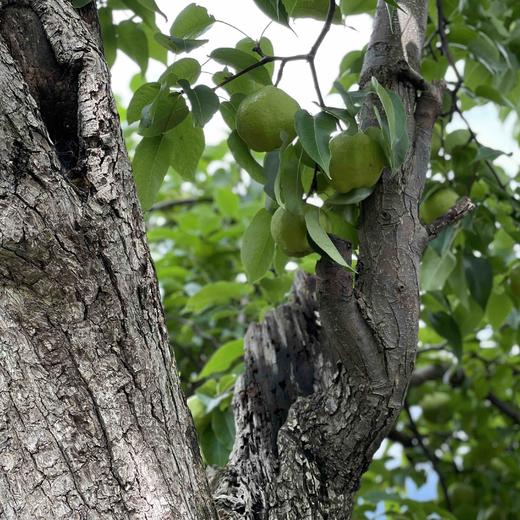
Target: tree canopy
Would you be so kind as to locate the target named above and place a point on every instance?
(210, 210)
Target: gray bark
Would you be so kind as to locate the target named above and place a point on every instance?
(92, 422)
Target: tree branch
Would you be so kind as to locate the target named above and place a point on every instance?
(309, 57)
(433, 372)
(507, 409)
(456, 213)
(167, 204)
(430, 455)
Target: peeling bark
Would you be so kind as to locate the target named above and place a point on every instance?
(92, 421)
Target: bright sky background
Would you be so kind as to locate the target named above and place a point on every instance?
(297, 80)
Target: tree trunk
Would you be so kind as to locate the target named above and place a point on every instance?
(92, 421)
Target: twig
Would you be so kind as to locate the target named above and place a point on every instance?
(309, 57)
(477, 142)
(506, 408)
(457, 212)
(429, 455)
(402, 438)
(316, 83)
(260, 63)
(167, 204)
(433, 372)
(446, 48)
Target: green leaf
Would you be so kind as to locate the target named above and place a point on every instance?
(479, 276)
(320, 237)
(395, 130)
(352, 197)
(499, 307)
(436, 270)
(191, 22)
(133, 42)
(143, 96)
(290, 184)
(223, 426)
(204, 102)
(217, 293)
(228, 110)
(140, 10)
(240, 60)
(275, 10)
(185, 68)
(487, 154)
(187, 145)
(222, 358)
(491, 93)
(228, 202)
(155, 50)
(151, 5)
(351, 7)
(243, 157)
(485, 51)
(215, 453)
(314, 133)
(150, 164)
(257, 246)
(448, 328)
(109, 34)
(166, 112)
(248, 45)
(178, 45)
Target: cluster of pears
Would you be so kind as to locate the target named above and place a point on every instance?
(265, 120)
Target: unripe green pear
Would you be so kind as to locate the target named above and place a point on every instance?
(436, 407)
(438, 204)
(290, 233)
(356, 161)
(264, 116)
(461, 493)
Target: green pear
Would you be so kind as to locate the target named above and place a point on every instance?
(264, 116)
(438, 204)
(356, 161)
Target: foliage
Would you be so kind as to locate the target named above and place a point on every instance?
(470, 318)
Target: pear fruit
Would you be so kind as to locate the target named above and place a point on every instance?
(438, 204)
(436, 407)
(289, 233)
(461, 493)
(356, 161)
(264, 116)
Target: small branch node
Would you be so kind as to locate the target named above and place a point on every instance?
(456, 213)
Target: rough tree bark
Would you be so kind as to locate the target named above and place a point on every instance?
(92, 421)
